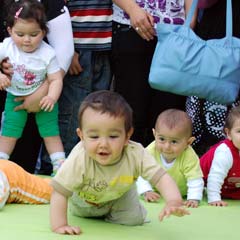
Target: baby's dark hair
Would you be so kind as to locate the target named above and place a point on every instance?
(109, 102)
(173, 118)
(233, 115)
(27, 10)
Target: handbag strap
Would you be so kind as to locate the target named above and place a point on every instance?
(228, 16)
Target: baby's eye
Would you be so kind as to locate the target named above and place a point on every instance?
(20, 34)
(113, 136)
(93, 137)
(34, 34)
(174, 141)
(161, 139)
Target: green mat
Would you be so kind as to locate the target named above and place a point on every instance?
(31, 222)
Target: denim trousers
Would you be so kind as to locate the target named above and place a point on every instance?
(96, 76)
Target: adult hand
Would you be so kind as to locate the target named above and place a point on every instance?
(31, 102)
(142, 22)
(4, 81)
(7, 67)
(75, 67)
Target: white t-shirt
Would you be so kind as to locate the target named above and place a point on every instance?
(30, 69)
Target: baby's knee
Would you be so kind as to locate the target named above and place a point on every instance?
(135, 220)
(128, 218)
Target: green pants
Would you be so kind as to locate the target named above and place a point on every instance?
(14, 121)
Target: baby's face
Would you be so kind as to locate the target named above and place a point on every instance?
(27, 35)
(170, 142)
(103, 136)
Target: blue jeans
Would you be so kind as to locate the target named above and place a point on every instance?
(96, 75)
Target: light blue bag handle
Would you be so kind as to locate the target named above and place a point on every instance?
(228, 16)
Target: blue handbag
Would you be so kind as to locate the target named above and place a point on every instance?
(185, 64)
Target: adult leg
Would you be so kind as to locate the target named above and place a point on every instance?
(208, 121)
(160, 101)
(131, 59)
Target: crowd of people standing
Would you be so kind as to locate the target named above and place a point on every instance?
(114, 42)
(100, 112)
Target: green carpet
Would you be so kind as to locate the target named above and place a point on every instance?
(31, 222)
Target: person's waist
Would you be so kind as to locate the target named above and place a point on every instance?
(121, 26)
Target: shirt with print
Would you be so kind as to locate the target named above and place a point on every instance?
(99, 184)
(29, 69)
(163, 11)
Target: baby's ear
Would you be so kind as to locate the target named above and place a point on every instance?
(79, 133)
(191, 140)
(130, 133)
(9, 31)
(154, 132)
(227, 133)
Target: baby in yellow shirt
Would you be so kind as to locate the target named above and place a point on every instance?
(19, 186)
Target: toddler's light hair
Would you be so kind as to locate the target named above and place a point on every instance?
(175, 118)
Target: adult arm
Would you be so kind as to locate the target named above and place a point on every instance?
(187, 6)
(140, 20)
(31, 102)
(75, 67)
(60, 37)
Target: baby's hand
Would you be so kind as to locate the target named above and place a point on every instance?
(218, 203)
(173, 208)
(70, 230)
(191, 203)
(47, 103)
(4, 82)
(151, 196)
